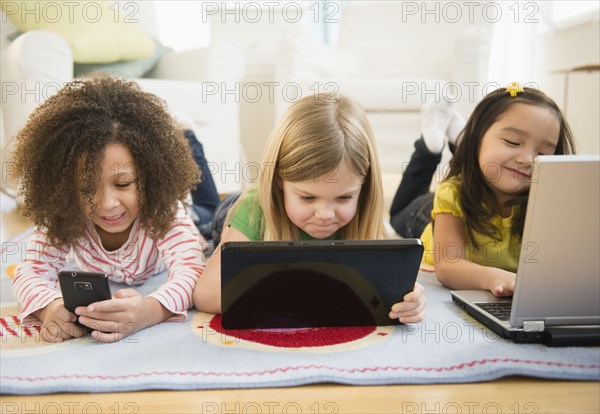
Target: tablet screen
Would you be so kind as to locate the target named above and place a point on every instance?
(268, 285)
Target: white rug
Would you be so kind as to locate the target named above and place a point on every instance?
(449, 347)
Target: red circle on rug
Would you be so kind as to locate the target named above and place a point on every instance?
(295, 337)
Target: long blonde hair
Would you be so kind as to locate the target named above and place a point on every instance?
(317, 135)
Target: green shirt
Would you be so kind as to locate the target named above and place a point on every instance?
(249, 216)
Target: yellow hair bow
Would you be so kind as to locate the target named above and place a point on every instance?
(514, 89)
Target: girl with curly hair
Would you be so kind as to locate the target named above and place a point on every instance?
(105, 175)
(321, 180)
(471, 227)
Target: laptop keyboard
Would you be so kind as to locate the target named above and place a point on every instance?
(500, 310)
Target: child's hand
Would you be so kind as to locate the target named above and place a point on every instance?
(58, 323)
(412, 308)
(503, 283)
(114, 319)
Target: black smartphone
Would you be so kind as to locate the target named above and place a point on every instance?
(83, 288)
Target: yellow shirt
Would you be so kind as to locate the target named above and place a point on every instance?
(503, 253)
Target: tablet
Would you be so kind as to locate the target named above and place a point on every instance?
(301, 284)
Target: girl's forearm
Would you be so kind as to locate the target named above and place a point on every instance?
(153, 312)
(464, 274)
(207, 294)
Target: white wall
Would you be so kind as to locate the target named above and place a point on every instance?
(569, 71)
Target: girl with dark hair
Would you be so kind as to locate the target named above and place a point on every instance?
(472, 226)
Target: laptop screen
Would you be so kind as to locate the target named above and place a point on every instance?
(558, 278)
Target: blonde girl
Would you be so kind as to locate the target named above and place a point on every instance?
(320, 180)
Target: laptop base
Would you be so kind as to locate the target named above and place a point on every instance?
(552, 336)
(572, 336)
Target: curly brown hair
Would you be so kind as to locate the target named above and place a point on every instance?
(59, 150)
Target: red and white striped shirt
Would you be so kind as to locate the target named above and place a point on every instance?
(180, 251)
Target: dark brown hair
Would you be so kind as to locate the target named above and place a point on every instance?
(73, 127)
(465, 162)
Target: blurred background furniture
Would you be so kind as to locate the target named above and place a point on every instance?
(37, 63)
(262, 56)
(391, 62)
(383, 55)
(571, 76)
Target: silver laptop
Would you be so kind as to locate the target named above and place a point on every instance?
(557, 292)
